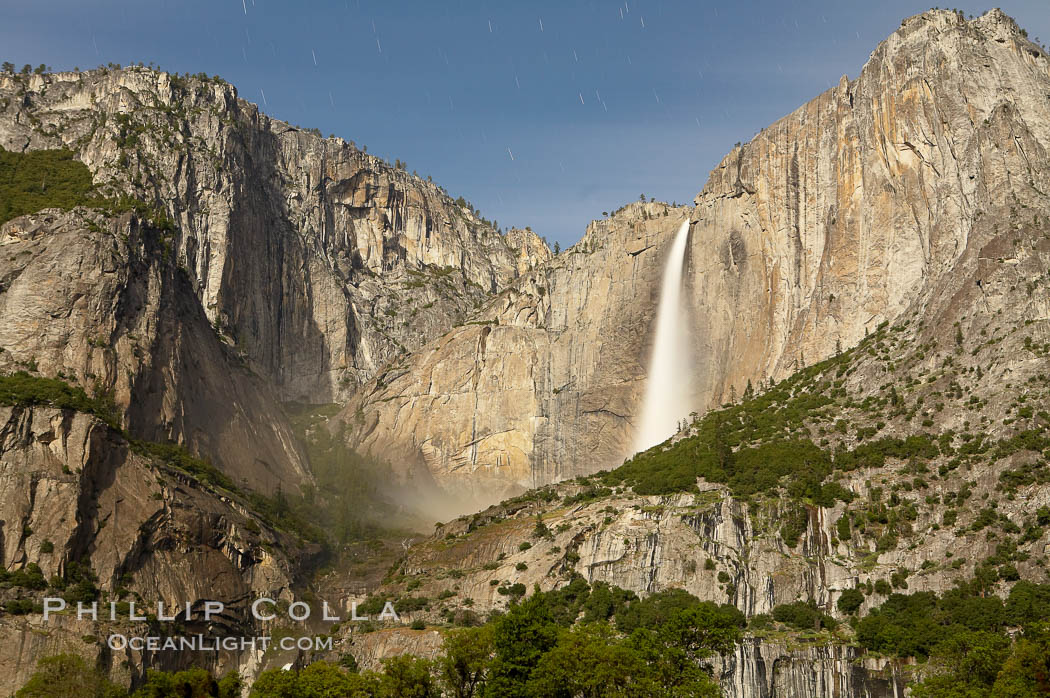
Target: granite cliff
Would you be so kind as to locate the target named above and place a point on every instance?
(856, 209)
(314, 257)
(224, 265)
(544, 377)
(95, 515)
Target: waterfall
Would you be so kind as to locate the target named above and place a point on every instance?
(668, 390)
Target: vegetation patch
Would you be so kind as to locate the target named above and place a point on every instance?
(39, 179)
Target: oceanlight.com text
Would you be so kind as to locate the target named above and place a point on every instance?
(201, 643)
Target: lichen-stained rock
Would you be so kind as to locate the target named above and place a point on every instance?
(323, 262)
(101, 303)
(856, 209)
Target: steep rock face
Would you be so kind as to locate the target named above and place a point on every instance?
(100, 302)
(763, 669)
(316, 257)
(295, 266)
(25, 639)
(71, 490)
(854, 210)
(542, 383)
(962, 376)
(370, 649)
(860, 204)
(757, 668)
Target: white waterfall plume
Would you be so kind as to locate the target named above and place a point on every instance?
(668, 390)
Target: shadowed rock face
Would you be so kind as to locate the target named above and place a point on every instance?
(71, 490)
(99, 302)
(323, 262)
(297, 266)
(855, 209)
(102, 304)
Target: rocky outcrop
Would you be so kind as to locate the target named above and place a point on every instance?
(254, 263)
(100, 302)
(764, 669)
(709, 544)
(370, 649)
(529, 249)
(854, 210)
(966, 376)
(25, 639)
(72, 490)
(322, 262)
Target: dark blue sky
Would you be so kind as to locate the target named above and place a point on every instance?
(599, 101)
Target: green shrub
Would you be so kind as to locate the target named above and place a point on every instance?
(657, 609)
(796, 520)
(914, 625)
(842, 527)
(409, 604)
(22, 607)
(515, 590)
(24, 390)
(69, 675)
(803, 615)
(29, 577)
(850, 601)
